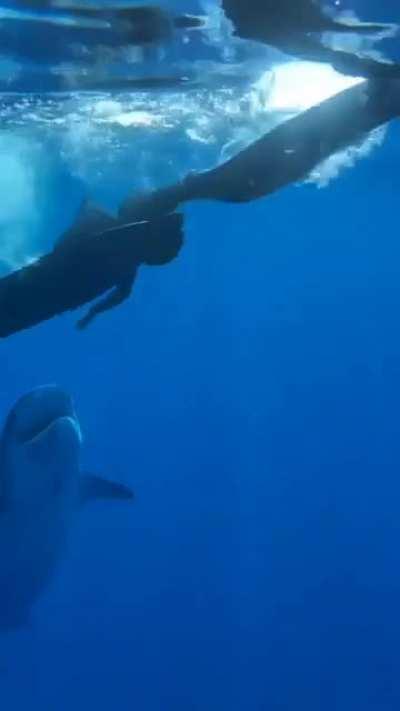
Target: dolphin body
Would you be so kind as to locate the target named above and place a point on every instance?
(41, 491)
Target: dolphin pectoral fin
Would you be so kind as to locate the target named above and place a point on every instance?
(95, 487)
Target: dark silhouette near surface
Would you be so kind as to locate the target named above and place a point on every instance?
(138, 25)
(282, 156)
(96, 256)
(61, 45)
(100, 255)
(295, 27)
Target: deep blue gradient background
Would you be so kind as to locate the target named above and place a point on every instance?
(250, 394)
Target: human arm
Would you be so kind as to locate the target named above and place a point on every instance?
(113, 298)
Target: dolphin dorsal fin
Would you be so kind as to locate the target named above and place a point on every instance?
(94, 487)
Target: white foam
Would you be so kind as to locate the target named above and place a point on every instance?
(329, 169)
(18, 207)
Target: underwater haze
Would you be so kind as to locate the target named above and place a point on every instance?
(248, 392)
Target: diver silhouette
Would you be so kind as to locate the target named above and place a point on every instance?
(97, 256)
(284, 155)
(297, 28)
(100, 255)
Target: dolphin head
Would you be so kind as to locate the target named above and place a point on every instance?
(39, 448)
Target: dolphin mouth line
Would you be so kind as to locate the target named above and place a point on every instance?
(33, 434)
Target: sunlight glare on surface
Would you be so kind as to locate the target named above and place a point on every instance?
(296, 86)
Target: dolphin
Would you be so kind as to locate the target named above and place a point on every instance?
(42, 489)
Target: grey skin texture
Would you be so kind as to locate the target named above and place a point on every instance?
(42, 490)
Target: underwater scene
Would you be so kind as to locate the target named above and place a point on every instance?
(199, 355)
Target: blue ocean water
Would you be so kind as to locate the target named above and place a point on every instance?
(249, 393)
